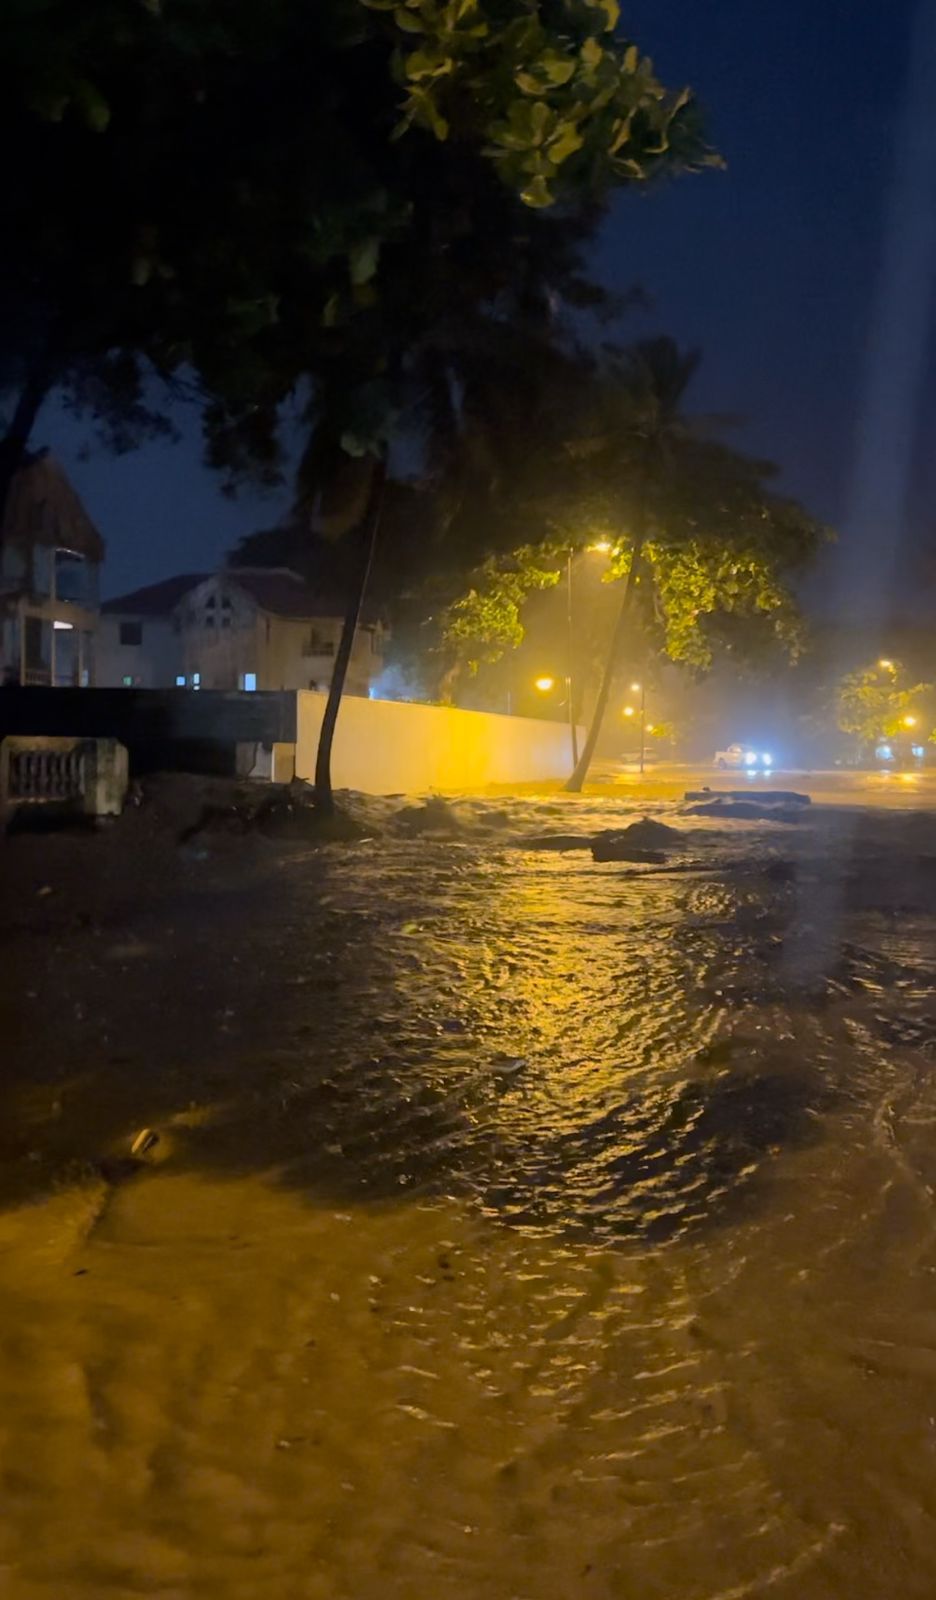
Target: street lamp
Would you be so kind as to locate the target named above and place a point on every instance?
(909, 722)
(545, 685)
(641, 689)
(885, 665)
(600, 547)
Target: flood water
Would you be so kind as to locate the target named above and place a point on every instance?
(520, 1229)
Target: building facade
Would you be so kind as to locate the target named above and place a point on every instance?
(241, 628)
(50, 559)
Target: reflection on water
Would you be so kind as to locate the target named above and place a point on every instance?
(547, 1233)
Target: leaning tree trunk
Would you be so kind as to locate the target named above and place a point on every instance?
(14, 444)
(370, 526)
(577, 780)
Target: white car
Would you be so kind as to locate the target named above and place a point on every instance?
(745, 757)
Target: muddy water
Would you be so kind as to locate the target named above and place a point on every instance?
(519, 1230)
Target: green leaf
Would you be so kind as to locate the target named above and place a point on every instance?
(404, 19)
(565, 143)
(363, 259)
(92, 106)
(591, 53)
(612, 13)
(537, 194)
(427, 64)
(631, 59)
(556, 67)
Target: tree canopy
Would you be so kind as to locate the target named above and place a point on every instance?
(720, 542)
(881, 702)
(264, 196)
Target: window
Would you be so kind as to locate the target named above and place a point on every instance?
(180, 681)
(196, 680)
(210, 603)
(209, 621)
(249, 681)
(226, 603)
(127, 680)
(131, 633)
(225, 622)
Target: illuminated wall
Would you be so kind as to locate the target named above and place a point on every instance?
(388, 747)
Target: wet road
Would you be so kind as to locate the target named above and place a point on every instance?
(881, 787)
(520, 1227)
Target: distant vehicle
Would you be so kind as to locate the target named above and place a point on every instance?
(899, 750)
(744, 756)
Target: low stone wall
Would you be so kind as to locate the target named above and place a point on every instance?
(388, 747)
(180, 730)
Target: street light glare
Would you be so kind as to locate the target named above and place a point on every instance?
(601, 547)
(636, 687)
(885, 665)
(910, 722)
(628, 711)
(545, 684)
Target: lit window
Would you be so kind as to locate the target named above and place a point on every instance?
(180, 681)
(127, 682)
(196, 680)
(250, 681)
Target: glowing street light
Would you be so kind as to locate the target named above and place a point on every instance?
(636, 688)
(545, 685)
(909, 722)
(885, 665)
(629, 711)
(602, 547)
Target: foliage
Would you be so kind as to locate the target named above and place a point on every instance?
(875, 703)
(487, 619)
(720, 544)
(227, 190)
(562, 103)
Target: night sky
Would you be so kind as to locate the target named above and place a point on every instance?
(772, 267)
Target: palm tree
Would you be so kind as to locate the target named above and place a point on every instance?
(636, 428)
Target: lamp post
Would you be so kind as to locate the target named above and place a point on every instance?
(601, 547)
(570, 653)
(641, 689)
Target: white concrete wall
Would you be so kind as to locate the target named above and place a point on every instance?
(152, 664)
(388, 747)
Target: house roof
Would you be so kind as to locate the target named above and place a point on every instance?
(275, 590)
(156, 599)
(283, 593)
(43, 508)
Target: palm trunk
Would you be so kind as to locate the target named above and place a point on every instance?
(577, 780)
(324, 797)
(13, 445)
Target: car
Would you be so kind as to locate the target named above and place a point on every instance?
(744, 756)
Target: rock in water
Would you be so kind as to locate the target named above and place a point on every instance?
(616, 847)
(747, 811)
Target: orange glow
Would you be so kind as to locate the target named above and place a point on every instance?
(545, 684)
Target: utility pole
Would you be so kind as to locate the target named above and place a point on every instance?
(570, 618)
(641, 689)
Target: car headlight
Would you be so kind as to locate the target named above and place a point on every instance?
(767, 760)
(750, 759)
